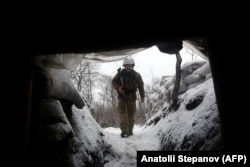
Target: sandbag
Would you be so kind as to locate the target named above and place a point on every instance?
(195, 84)
(203, 70)
(56, 83)
(208, 76)
(169, 83)
(190, 67)
(52, 124)
(192, 78)
(182, 88)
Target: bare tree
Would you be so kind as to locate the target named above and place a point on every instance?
(84, 77)
(106, 114)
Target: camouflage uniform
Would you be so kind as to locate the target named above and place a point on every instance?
(127, 103)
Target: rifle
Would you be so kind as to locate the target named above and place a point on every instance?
(121, 78)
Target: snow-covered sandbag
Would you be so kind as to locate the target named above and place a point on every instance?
(173, 78)
(55, 132)
(170, 89)
(166, 96)
(208, 76)
(204, 70)
(163, 93)
(68, 61)
(156, 87)
(194, 84)
(55, 125)
(192, 78)
(50, 109)
(164, 80)
(182, 88)
(56, 83)
(154, 97)
(169, 83)
(186, 71)
(190, 67)
(162, 89)
(53, 77)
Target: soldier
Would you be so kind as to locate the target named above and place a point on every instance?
(126, 82)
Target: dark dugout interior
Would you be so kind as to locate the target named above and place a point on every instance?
(225, 53)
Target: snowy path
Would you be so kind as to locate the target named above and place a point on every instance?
(126, 148)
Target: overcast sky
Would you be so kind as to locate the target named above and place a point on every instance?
(151, 63)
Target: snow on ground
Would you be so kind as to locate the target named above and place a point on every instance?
(182, 130)
(126, 148)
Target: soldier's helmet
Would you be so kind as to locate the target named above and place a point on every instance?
(128, 60)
